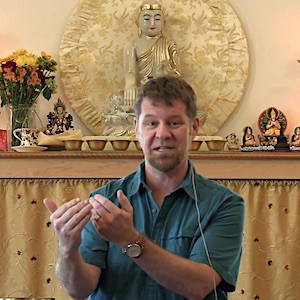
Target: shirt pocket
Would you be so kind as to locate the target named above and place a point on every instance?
(179, 241)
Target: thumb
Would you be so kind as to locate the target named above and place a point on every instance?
(50, 204)
(124, 201)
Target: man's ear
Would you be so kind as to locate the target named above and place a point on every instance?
(135, 124)
(195, 126)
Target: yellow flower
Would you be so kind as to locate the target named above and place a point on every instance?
(45, 55)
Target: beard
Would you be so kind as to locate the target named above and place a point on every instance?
(166, 162)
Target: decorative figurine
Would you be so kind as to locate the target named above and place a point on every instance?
(232, 142)
(248, 137)
(248, 140)
(295, 139)
(272, 124)
(59, 120)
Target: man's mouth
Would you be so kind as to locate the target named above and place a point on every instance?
(163, 149)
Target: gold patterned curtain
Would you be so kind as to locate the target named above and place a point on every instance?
(270, 265)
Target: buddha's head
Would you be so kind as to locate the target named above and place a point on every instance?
(151, 19)
(273, 113)
(248, 130)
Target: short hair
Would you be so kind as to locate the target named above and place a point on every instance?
(167, 89)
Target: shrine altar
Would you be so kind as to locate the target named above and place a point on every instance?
(269, 183)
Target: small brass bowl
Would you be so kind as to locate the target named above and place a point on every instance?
(195, 145)
(96, 144)
(120, 145)
(72, 145)
(216, 145)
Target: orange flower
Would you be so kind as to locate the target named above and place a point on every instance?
(9, 74)
(34, 79)
(22, 73)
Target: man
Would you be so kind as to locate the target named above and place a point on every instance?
(164, 232)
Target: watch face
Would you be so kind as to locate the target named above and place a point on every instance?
(133, 250)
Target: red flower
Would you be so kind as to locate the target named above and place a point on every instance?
(9, 65)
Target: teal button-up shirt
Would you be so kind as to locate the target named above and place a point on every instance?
(175, 227)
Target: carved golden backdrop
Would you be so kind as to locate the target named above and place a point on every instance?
(213, 53)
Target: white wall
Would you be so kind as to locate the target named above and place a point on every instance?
(272, 28)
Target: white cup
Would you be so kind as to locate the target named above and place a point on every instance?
(27, 136)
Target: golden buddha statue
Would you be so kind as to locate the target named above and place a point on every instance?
(150, 55)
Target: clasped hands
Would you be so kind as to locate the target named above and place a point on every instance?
(112, 222)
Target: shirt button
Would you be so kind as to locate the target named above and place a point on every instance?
(154, 210)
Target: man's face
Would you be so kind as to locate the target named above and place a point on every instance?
(165, 134)
(151, 22)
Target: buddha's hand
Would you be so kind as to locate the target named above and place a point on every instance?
(130, 95)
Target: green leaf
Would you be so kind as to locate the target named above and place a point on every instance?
(47, 93)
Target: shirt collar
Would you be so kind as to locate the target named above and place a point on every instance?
(139, 180)
(187, 183)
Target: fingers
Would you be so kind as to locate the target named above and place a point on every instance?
(110, 207)
(80, 219)
(74, 212)
(50, 204)
(124, 201)
(100, 202)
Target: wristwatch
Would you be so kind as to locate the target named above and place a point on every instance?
(134, 250)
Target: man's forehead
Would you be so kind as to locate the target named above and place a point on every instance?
(149, 102)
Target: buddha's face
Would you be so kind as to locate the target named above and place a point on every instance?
(151, 22)
(273, 114)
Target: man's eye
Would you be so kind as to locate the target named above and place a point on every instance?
(174, 124)
(151, 124)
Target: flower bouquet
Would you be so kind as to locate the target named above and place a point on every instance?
(23, 77)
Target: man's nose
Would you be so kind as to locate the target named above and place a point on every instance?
(163, 130)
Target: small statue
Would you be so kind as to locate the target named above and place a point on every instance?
(273, 125)
(232, 142)
(59, 120)
(295, 139)
(248, 138)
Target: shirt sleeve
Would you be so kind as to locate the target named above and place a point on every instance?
(221, 243)
(93, 248)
